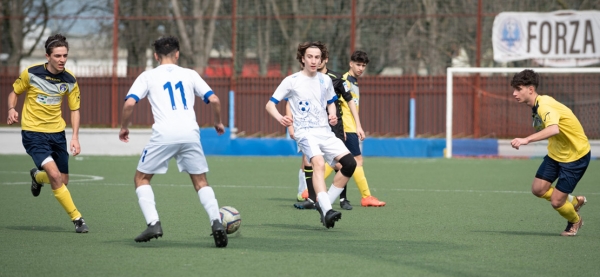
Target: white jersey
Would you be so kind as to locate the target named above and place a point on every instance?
(171, 91)
(308, 98)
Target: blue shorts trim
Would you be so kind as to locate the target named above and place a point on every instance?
(353, 144)
(568, 174)
(42, 145)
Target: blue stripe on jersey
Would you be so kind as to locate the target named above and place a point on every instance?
(208, 94)
(274, 100)
(335, 98)
(132, 96)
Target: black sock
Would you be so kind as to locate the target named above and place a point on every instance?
(308, 173)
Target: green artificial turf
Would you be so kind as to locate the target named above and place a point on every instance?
(460, 217)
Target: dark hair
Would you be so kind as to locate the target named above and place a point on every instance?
(166, 45)
(359, 57)
(54, 41)
(305, 45)
(526, 77)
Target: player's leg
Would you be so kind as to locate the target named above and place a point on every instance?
(302, 189)
(328, 215)
(311, 196)
(191, 159)
(367, 200)
(154, 160)
(569, 175)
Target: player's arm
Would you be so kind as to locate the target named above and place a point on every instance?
(272, 110)
(13, 115)
(354, 111)
(215, 103)
(288, 112)
(126, 118)
(545, 133)
(75, 121)
(331, 110)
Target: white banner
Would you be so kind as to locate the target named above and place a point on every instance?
(562, 38)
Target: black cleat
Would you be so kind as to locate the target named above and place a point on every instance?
(331, 217)
(35, 186)
(305, 205)
(153, 231)
(219, 234)
(345, 204)
(80, 226)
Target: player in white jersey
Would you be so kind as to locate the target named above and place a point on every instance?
(309, 93)
(171, 91)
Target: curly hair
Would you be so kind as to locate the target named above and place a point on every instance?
(526, 77)
(305, 45)
(54, 41)
(166, 45)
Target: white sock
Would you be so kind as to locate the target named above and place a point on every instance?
(301, 181)
(208, 200)
(146, 200)
(570, 198)
(324, 202)
(334, 192)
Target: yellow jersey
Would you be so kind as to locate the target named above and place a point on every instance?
(45, 91)
(571, 143)
(350, 85)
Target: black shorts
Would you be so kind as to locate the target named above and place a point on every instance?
(43, 145)
(353, 144)
(568, 174)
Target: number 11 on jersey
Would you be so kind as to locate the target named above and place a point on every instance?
(179, 86)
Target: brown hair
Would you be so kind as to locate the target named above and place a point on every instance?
(54, 41)
(305, 45)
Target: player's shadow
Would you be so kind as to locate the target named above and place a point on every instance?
(55, 229)
(520, 233)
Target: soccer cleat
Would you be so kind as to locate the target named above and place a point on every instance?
(80, 226)
(331, 217)
(153, 231)
(35, 186)
(305, 194)
(300, 198)
(219, 234)
(371, 201)
(581, 200)
(345, 204)
(305, 205)
(572, 228)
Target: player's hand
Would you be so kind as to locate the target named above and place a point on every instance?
(291, 132)
(286, 121)
(516, 143)
(75, 147)
(360, 133)
(13, 116)
(220, 128)
(124, 135)
(333, 119)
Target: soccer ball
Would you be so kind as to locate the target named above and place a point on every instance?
(303, 106)
(231, 219)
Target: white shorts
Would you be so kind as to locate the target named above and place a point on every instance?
(190, 158)
(318, 142)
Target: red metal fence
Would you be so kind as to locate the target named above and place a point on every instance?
(484, 110)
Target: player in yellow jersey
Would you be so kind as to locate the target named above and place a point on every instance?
(43, 128)
(355, 134)
(568, 149)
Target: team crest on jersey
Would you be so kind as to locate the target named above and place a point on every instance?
(62, 87)
(303, 106)
(538, 123)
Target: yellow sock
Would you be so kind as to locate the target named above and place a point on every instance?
(63, 196)
(568, 212)
(328, 170)
(548, 194)
(42, 177)
(572, 199)
(361, 181)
